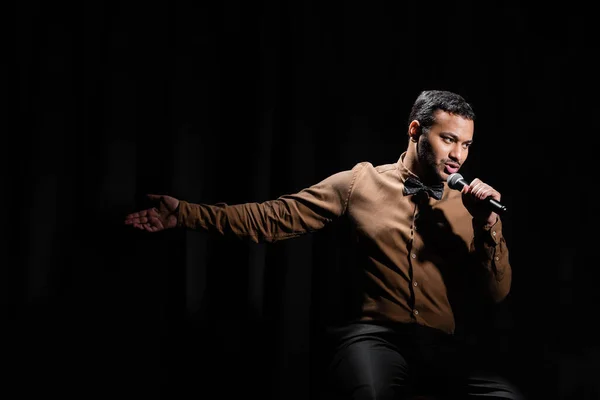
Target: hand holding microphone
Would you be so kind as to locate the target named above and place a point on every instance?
(476, 194)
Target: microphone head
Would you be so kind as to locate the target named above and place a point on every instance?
(454, 181)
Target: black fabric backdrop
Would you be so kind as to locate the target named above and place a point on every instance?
(244, 101)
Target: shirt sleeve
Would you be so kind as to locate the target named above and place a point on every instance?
(286, 217)
(491, 251)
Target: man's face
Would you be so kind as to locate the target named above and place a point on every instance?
(442, 151)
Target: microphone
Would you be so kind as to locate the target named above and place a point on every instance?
(457, 182)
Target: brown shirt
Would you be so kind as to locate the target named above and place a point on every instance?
(419, 253)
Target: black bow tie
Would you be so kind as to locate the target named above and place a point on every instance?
(414, 186)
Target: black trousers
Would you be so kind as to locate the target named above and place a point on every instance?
(372, 361)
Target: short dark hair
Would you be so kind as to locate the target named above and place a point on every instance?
(430, 101)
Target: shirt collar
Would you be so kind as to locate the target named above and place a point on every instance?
(402, 170)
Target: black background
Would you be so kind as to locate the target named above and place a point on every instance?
(243, 101)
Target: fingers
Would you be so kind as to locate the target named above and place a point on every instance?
(146, 224)
(482, 191)
(142, 227)
(141, 217)
(151, 228)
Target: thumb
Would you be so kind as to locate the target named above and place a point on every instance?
(154, 196)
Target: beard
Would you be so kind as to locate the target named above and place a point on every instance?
(429, 166)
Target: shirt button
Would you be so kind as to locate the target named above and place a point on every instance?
(415, 284)
(497, 258)
(413, 255)
(494, 233)
(416, 312)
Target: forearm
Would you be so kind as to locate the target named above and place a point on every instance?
(492, 260)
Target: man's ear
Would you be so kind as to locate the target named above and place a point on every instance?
(414, 130)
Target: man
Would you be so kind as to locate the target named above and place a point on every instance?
(422, 247)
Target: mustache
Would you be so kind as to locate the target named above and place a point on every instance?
(451, 162)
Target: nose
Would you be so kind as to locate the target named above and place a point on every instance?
(456, 152)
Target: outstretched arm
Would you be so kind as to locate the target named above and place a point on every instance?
(285, 217)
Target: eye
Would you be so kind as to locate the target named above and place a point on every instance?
(448, 139)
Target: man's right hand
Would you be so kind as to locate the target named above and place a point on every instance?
(158, 218)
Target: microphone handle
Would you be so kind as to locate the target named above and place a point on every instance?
(499, 208)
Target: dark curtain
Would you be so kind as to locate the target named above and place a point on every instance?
(244, 101)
